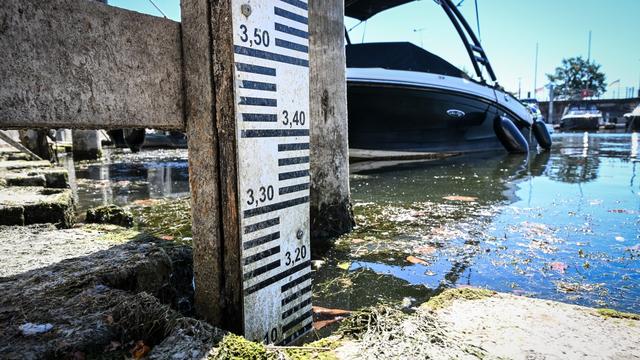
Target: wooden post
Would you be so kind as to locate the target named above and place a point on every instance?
(247, 105)
(331, 213)
(200, 114)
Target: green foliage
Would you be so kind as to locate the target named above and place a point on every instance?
(576, 75)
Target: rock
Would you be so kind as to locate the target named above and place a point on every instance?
(25, 180)
(110, 214)
(11, 215)
(39, 205)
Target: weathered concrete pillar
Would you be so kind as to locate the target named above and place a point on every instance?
(331, 213)
(36, 142)
(86, 145)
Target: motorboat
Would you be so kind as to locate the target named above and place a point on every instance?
(581, 117)
(633, 119)
(401, 97)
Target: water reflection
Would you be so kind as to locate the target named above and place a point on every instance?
(122, 178)
(562, 225)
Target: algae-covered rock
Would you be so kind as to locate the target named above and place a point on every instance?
(41, 205)
(57, 178)
(614, 314)
(26, 180)
(110, 214)
(11, 215)
(447, 297)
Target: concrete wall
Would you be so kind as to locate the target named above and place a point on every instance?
(90, 64)
(611, 109)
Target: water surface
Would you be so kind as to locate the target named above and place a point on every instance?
(562, 225)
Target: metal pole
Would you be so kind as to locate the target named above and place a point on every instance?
(589, 52)
(535, 74)
(478, 21)
(519, 88)
(551, 95)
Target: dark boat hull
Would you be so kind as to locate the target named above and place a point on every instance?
(405, 118)
(580, 124)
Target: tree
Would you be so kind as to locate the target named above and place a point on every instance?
(578, 78)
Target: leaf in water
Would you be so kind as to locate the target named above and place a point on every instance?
(559, 267)
(324, 316)
(344, 265)
(416, 260)
(324, 312)
(140, 350)
(425, 250)
(461, 198)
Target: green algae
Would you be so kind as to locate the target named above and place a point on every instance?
(234, 347)
(447, 297)
(614, 314)
(166, 219)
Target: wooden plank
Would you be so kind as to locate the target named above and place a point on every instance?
(204, 177)
(225, 113)
(331, 213)
(83, 64)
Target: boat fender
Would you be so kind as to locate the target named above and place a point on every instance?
(510, 136)
(134, 138)
(541, 133)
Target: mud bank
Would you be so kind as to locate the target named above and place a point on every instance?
(135, 292)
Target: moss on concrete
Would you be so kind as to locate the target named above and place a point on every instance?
(25, 180)
(610, 313)
(40, 205)
(447, 297)
(110, 214)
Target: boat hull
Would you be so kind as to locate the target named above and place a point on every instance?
(410, 118)
(580, 123)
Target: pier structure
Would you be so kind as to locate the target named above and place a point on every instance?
(259, 88)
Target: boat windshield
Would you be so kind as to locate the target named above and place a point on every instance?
(399, 56)
(582, 110)
(418, 36)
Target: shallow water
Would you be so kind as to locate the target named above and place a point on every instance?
(562, 225)
(123, 178)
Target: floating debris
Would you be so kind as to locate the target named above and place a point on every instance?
(30, 329)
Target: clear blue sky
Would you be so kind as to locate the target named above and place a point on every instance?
(509, 32)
